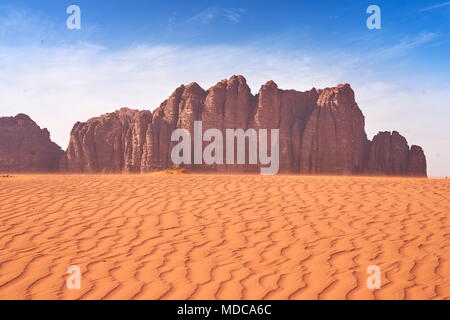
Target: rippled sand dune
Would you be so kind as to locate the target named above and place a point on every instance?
(161, 236)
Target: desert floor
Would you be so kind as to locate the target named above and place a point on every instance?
(162, 236)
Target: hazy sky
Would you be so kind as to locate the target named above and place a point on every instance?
(135, 53)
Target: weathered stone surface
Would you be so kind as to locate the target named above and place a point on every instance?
(321, 132)
(334, 137)
(227, 105)
(417, 163)
(24, 147)
(111, 143)
(389, 154)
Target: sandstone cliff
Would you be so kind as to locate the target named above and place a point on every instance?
(108, 144)
(24, 147)
(321, 132)
(389, 154)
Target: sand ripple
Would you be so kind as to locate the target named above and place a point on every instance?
(223, 237)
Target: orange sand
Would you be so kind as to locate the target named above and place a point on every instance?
(163, 236)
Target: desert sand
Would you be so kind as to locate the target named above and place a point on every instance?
(161, 236)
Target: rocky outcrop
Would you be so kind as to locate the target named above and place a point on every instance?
(108, 144)
(389, 154)
(25, 147)
(417, 162)
(321, 132)
(334, 137)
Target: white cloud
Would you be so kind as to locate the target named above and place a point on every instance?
(204, 16)
(409, 43)
(436, 6)
(234, 15)
(210, 14)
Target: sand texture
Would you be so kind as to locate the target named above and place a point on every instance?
(160, 236)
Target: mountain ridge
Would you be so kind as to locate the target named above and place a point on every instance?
(322, 131)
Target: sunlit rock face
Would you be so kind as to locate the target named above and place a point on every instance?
(321, 132)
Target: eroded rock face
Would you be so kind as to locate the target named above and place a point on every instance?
(112, 143)
(389, 154)
(417, 162)
(321, 132)
(25, 147)
(334, 137)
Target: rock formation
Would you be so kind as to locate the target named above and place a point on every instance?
(108, 144)
(389, 154)
(417, 163)
(321, 132)
(24, 147)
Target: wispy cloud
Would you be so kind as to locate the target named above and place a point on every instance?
(204, 16)
(436, 6)
(383, 55)
(171, 23)
(19, 25)
(210, 14)
(408, 43)
(234, 15)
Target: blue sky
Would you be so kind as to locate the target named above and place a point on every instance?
(134, 53)
(119, 23)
